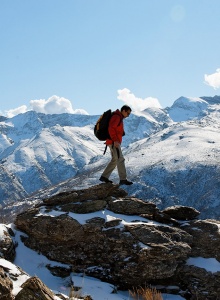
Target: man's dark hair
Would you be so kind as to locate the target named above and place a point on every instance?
(126, 108)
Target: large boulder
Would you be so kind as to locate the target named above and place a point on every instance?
(201, 284)
(106, 246)
(97, 192)
(7, 247)
(104, 233)
(180, 212)
(34, 289)
(6, 286)
(206, 237)
(131, 206)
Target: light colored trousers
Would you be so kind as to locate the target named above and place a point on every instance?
(116, 161)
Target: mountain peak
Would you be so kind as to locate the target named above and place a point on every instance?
(186, 108)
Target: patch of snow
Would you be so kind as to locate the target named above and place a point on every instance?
(209, 264)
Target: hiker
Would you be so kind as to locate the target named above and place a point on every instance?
(116, 132)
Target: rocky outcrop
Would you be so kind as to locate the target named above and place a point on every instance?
(97, 192)
(34, 289)
(15, 284)
(200, 284)
(205, 237)
(5, 286)
(110, 249)
(7, 247)
(104, 233)
(180, 212)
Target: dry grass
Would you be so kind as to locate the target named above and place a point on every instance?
(75, 293)
(145, 294)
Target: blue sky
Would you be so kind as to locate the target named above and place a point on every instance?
(99, 54)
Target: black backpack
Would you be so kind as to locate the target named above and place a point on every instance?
(101, 126)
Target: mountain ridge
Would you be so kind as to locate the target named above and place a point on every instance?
(41, 151)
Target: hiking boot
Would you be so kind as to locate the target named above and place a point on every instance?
(125, 182)
(104, 179)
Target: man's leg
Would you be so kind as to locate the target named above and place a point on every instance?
(121, 166)
(112, 164)
(122, 170)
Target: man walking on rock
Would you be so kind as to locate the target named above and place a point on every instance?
(116, 132)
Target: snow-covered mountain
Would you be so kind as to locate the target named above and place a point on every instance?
(187, 108)
(172, 154)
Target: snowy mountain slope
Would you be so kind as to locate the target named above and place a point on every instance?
(211, 100)
(177, 165)
(173, 162)
(181, 165)
(40, 150)
(51, 152)
(157, 115)
(10, 187)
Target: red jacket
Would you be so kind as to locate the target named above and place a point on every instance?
(116, 128)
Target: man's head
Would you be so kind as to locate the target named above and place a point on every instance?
(125, 110)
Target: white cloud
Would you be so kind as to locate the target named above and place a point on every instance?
(137, 104)
(213, 80)
(16, 111)
(54, 105)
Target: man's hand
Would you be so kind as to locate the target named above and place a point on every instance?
(116, 144)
